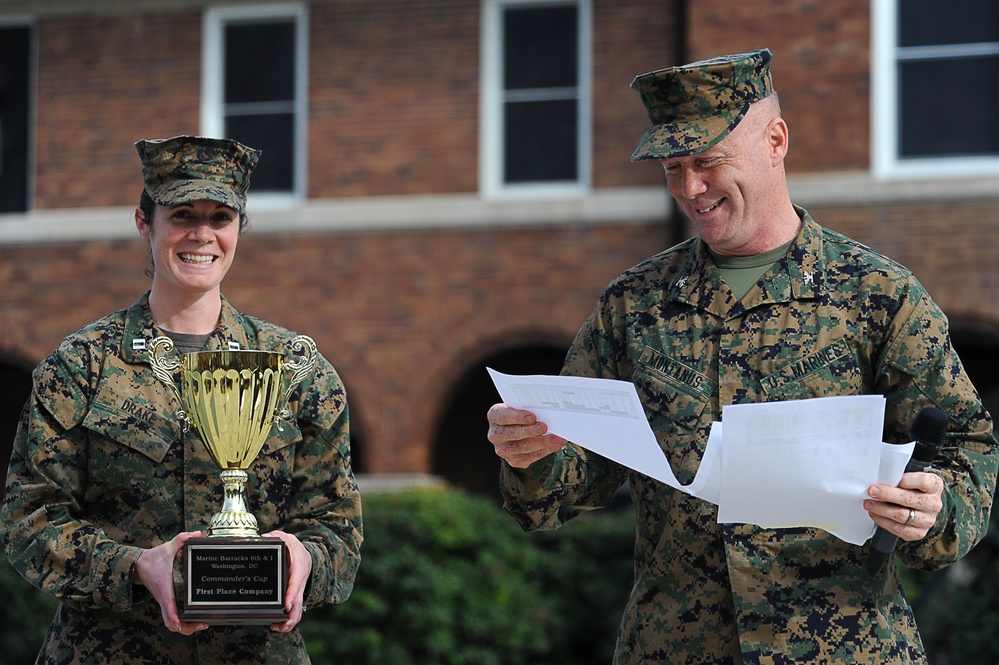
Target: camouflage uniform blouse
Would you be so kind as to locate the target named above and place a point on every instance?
(831, 318)
(101, 470)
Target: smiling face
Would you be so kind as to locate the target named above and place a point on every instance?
(736, 192)
(192, 245)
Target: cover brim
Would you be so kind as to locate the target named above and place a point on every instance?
(185, 191)
(679, 139)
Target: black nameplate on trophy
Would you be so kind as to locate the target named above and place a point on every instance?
(233, 580)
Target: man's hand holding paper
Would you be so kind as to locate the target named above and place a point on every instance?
(782, 464)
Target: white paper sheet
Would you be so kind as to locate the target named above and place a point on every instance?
(781, 464)
(601, 415)
(807, 462)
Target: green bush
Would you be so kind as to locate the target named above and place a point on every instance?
(449, 579)
(446, 578)
(589, 568)
(25, 614)
(957, 608)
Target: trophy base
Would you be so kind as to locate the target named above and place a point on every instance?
(233, 580)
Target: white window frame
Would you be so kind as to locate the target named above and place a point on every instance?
(491, 134)
(885, 162)
(213, 67)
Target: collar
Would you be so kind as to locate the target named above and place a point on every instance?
(139, 330)
(800, 275)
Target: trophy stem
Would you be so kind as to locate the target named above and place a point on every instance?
(234, 519)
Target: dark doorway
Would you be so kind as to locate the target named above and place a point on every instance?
(979, 353)
(938, 607)
(461, 452)
(15, 387)
(358, 454)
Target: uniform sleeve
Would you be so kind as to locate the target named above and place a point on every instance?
(573, 480)
(325, 502)
(44, 534)
(922, 369)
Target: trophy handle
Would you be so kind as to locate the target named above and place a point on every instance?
(301, 369)
(163, 366)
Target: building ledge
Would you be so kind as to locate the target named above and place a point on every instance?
(860, 188)
(451, 211)
(371, 483)
(386, 213)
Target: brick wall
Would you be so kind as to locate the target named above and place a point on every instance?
(403, 315)
(400, 315)
(393, 109)
(821, 69)
(104, 82)
(393, 96)
(952, 248)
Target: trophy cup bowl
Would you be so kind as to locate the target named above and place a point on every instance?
(233, 398)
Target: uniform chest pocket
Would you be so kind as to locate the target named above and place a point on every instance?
(275, 463)
(132, 426)
(675, 397)
(831, 370)
(272, 475)
(288, 434)
(127, 449)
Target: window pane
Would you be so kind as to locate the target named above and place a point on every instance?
(540, 141)
(259, 62)
(539, 47)
(928, 22)
(949, 107)
(14, 65)
(273, 135)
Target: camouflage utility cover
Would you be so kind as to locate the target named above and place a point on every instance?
(101, 470)
(830, 318)
(194, 168)
(695, 106)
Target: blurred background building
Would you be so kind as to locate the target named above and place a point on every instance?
(446, 184)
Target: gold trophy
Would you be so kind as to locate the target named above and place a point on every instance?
(233, 398)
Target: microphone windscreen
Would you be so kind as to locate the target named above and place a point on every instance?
(930, 426)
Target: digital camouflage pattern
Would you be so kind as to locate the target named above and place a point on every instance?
(693, 107)
(101, 470)
(194, 168)
(830, 318)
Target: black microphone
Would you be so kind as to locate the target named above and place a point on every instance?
(928, 431)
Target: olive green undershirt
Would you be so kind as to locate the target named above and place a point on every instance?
(742, 272)
(185, 343)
